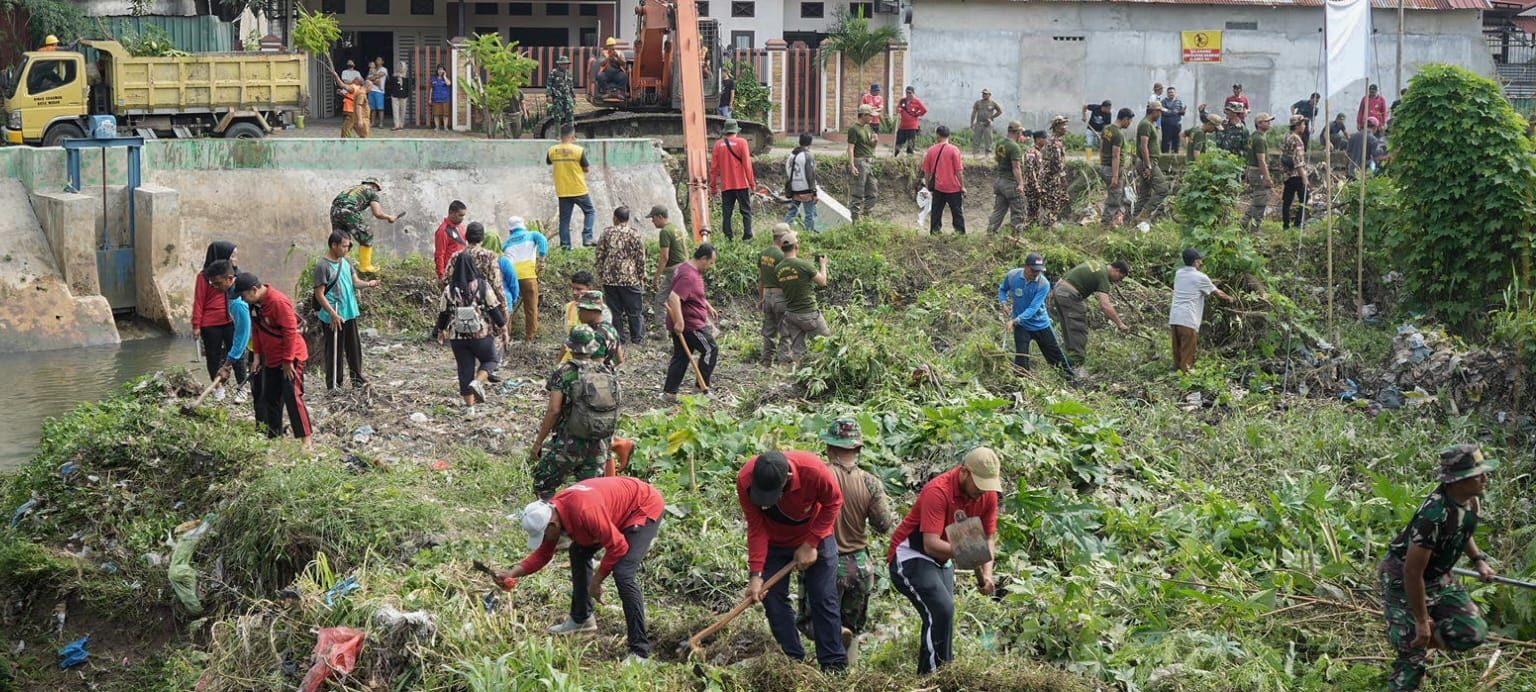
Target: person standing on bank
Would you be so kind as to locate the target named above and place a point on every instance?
(1424, 606)
(280, 355)
(791, 501)
(799, 279)
(221, 276)
(335, 293)
(1071, 293)
(672, 251)
(620, 265)
(442, 99)
(910, 110)
(1308, 110)
(1023, 295)
(1008, 188)
(377, 78)
(449, 238)
(800, 184)
(1098, 116)
(1056, 200)
(1187, 309)
(212, 323)
(691, 321)
(944, 174)
(732, 179)
(347, 216)
(983, 112)
(470, 318)
(1259, 182)
(1111, 157)
(1172, 121)
(770, 296)
(1293, 163)
(1239, 98)
(568, 161)
(862, 139)
(921, 552)
(398, 89)
(1153, 189)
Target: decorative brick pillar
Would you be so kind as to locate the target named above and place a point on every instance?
(778, 88)
(461, 69)
(831, 91)
(896, 58)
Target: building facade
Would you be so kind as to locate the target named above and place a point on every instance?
(1044, 58)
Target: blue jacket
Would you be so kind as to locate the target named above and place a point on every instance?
(241, 314)
(1028, 299)
(509, 287)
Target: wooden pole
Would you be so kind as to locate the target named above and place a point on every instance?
(1333, 336)
(1399, 70)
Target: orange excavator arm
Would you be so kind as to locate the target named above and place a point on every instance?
(695, 128)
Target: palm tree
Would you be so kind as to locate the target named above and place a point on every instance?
(853, 39)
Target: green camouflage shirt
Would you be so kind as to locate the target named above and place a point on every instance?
(1441, 526)
(348, 208)
(1233, 138)
(1007, 153)
(607, 351)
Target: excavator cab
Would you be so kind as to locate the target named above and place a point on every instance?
(642, 76)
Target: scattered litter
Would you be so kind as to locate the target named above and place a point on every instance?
(289, 665)
(289, 594)
(18, 647)
(182, 574)
(154, 559)
(335, 650)
(363, 434)
(341, 589)
(22, 511)
(396, 384)
(1390, 398)
(440, 465)
(1144, 227)
(418, 417)
(510, 386)
(110, 567)
(68, 469)
(1351, 391)
(420, 621)
(355, 464)
(60, 614)
(490, 601)
(74, 653)
(371, 333)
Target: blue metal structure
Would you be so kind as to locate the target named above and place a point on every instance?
(114, 263)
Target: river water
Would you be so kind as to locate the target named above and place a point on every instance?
(41, 385)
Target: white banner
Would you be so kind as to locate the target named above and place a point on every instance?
(1348, 43)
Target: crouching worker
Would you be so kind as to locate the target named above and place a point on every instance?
(619, 516)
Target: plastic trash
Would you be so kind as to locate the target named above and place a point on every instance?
(363, 434)
(418, 417)
(419, 621)
(440, 465)
(1351, 391)
(336, 650)
(22, 511)
(341, 589)
(182, 574)
(74, 653)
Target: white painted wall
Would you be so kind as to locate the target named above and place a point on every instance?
(122, 8)
(1033, 74)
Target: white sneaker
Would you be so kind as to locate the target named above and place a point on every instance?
(633, 660)
(478, 388)
(469, 411)
(218, 394)
(572, 627)
(241, 396)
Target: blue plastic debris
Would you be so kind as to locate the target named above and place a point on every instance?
(68, 469)
(74, 653)
(490, 601)
(341, 589)
(1351, 391)
(22, 511)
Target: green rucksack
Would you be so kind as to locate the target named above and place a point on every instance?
(594, 412)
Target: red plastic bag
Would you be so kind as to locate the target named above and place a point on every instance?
(336, 650)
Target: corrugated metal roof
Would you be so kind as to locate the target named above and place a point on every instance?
(1421, 5)
(204, 34)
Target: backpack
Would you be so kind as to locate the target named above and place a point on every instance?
(466, 320)
(594, 412)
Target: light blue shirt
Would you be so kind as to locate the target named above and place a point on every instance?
(342, 294)
(241, 314)
(509, 287)
(1028, 299)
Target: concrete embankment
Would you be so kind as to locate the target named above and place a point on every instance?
(272, 197)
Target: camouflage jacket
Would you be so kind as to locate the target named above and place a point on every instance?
(1441, 526)
(1233, 138)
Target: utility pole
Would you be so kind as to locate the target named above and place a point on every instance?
(1399, 71)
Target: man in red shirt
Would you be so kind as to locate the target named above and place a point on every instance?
(618, 515)
(1372, 105)
(450, 237)
(875, 101)
(732, 179)
(1238, 97)
(944, 174)
(791, 501)
(920, 549)
(909, 109)
(280, 354)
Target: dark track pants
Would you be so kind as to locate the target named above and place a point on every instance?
(216, 344)
(628, 308)
(471, 355)
(678, 369)
(730, 201)
(624, 577)
(953, 200)
(343, 352)
(1048, 348)
(931, 589)
(278, 393)
(826, 612)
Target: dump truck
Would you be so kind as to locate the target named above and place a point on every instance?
(53, 94)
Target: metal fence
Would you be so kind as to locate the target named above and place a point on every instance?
(1514, 60)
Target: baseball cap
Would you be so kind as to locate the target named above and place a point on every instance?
(1264, 117)
(1191, 254)
(374, 182)
(1035, 261)
(789, 238)
(656, 211)
(1015, 126)
(874, 87)
(590, 300)
(245, 281)
(1214, 119)
(986, 92)
(535, 519)
(1058, 120)
(1464, 461)
(1295, 119)
(911, 90)
(582, 341)
(731, 127)
(1153, 105)
(985, 468)
(779, 229)
(515, 223)
(866, 109)
(845, 433)
(611, 41)
(770, 473)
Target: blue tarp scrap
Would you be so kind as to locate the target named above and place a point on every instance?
(341, 589)
(22, 511)
(74, 653)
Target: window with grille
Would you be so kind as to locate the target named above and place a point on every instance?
(1242, 26)
(703, 6)
(743, 8)
(424, 7)
(377, 7)
(812, 10)
(334, 6)
(520, 9)
(557, 9)
(490, 8)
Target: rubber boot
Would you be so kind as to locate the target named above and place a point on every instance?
(365, 259)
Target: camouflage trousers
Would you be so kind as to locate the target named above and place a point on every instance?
(353, 225)
(1257, 195)
(1007, 202)
(567, 460)
(1458, 625)
(855, 582)
(1054, 201)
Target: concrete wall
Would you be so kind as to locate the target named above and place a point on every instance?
(38, 311)
(1045, 58)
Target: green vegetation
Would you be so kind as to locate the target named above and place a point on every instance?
(855, 39)
(751, 101)
(315, 33)
(503, 71)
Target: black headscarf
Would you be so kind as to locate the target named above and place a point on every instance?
(464, 280)
(218, 250)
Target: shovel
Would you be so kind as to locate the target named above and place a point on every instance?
(1462, 571)
(697, 374)
(694, 646)
(969, 541)
(190, 408)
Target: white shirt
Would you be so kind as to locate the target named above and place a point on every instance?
(794, 167)
(376, 80)
(1190, 287)
(350, 75)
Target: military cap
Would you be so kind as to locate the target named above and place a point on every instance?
(1464, 461)
(582, 341)
(1263, 117)
(1236, 107)
(866, 109)
(657, 210)
(1015, 126)
(374, 182)
(563, 60)
(1058, 120)
(845, 433)
(590, 300)
(1154, 105)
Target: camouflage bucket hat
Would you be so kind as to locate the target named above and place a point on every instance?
(582, 341)
(374, 182)
(1058, 120)
(844, 433)
(590, 300)
(1464, 461)
(1235, 107)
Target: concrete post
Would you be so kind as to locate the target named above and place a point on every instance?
(164, 287)
(832, 92)
(69, 222)
(460, 66)
(777, 88)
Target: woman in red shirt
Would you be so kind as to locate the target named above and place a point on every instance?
(210, 313)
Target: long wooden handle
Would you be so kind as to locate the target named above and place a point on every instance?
(697, 374)
(696, 640)
(199, 401)
(1501, 580)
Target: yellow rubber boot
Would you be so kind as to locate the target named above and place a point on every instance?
(365, 259)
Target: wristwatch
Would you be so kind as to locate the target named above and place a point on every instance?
(756, 575)
(1480, 557)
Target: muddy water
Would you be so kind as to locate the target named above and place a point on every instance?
(40, 385)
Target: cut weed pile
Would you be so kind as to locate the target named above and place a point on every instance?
(1212, 531)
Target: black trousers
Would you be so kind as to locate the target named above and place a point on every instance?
(931, 589)
(826, 612)
(1295, 190)
(470, 355)
(277, 393)
(627, 306)
(731, 199)
(216, 344)
(1048, 348)
(1170, 141)
(955, 201)
(342, 345)
(907, 137)
(704, 349)
(624, 578)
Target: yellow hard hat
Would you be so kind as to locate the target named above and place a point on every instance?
(612, 41)
(51, 40)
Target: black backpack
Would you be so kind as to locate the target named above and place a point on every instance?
(594, 412)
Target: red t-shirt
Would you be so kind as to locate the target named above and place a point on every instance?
(449, 239)
(944, 163)
(730, 166)
(275, 335)
(688, 284)
(595, 513)
(910, 110)
(813, 499)
(874, 101)
(210, 308)
(935, 509)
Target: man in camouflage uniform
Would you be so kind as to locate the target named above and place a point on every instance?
(1256, 175)
(1423, 604)
(864, 508)
(1055, 199)
(1200, 138)
(1233, 136)
(347, 216)
(1034, 181)
(560, 94)
(607, 349)
(566, 458)
(983, 112)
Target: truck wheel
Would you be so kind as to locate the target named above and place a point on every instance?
(60, 132)
(243, 131)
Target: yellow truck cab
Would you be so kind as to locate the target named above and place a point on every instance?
(52, 95)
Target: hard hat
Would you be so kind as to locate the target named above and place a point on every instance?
(51, 40)
(611, 41)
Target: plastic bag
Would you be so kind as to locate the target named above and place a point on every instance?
(74, 653)
(924, 206)
(336, 650)
(182, 574)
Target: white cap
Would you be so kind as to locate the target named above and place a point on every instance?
(515, 223)
(535, 520)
